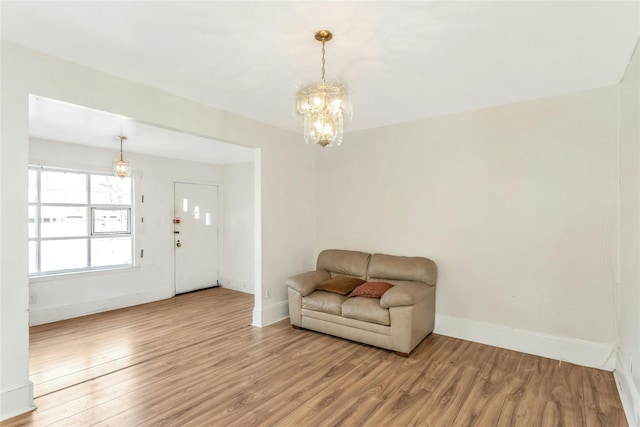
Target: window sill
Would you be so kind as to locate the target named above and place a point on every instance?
(81, 274)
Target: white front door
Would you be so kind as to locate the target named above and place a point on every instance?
(195, 236)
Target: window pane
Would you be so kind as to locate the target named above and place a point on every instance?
(63, 187)
(110, 190)
(72, 209)
(63, 221)
(110, 220)
(110, 251)
(63, 254)
(33, 221)
(32, 258)
(33, 186)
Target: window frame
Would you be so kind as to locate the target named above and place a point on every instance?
(90, 235)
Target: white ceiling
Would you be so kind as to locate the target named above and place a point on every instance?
(403, 60)
(61, 121)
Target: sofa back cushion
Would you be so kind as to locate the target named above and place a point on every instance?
(349, 263)
(400, 268)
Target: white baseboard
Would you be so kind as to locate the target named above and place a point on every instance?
(579, 352)
(270, 314)
(16, 401)
(275, 313)
(257, 318)
(236, 285)
(629, 394)
(53, 314)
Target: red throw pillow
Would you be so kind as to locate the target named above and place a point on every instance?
(371, 289)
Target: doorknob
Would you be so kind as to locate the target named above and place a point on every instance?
(178, 244)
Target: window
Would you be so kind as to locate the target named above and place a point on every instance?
(78, 221)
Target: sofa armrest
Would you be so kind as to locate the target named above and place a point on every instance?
(405, 294)
(306, 283)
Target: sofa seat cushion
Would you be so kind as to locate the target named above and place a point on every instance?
(366, 309)
(326, 302)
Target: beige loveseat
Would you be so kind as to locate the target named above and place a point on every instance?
(398, 321)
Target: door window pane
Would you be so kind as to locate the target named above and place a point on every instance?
(57, 255)
(110, 221)
(110, 190)
(110, 251)
(63, 187)
(63, 221)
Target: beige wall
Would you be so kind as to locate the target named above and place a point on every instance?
(515, 205)
(628, 369)
(238, 218)
(282, 225)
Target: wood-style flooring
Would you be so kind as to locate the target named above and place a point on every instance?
(194, 360)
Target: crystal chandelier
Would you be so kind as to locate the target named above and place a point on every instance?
(122, 167)
(323, 106)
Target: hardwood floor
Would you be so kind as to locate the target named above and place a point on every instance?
(194, 360)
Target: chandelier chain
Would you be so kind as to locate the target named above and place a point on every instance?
(121, 138)
(323, 61)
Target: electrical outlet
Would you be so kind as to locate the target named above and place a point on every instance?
(267, 293)
(33, 298)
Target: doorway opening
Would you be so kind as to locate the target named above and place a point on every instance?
(67, 135)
